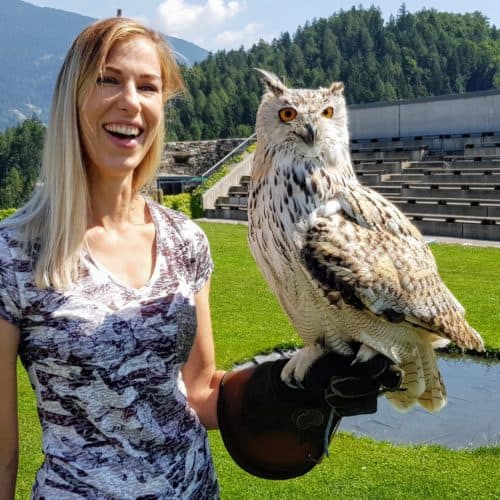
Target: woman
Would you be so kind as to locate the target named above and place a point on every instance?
(107, 289)
(104, 296)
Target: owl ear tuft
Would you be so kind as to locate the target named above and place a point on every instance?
(337, 88)
(271, 82)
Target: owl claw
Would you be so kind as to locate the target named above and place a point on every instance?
(294, 371)
(364, 354)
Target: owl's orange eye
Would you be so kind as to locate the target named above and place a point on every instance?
(287, 114)
(328, 112)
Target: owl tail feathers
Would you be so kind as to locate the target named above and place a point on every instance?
(422, 383)
(468, 338)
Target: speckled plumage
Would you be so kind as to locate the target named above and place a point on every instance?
(344, 262)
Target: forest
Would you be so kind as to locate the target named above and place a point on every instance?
(411, 55)
(20, 160)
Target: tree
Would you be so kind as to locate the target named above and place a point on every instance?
(20, 161)
(413, 54)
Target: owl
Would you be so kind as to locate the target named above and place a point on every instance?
(345, 264)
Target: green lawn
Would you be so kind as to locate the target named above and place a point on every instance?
(247, 320)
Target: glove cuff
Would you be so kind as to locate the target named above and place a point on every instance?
(270, 452)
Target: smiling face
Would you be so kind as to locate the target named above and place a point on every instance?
(121, 116)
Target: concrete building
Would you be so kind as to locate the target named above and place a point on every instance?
(470, 113)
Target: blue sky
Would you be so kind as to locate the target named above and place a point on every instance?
(225, 24)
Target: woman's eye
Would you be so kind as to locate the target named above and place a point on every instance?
(149, 88)
(106, 80)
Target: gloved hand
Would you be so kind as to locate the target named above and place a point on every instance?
(352, 389)
(275, 431)
(331, 382)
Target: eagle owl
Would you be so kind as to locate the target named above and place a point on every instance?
(346, 265)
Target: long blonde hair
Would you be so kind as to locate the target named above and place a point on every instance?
(54, 220)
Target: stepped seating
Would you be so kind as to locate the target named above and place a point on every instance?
(470, 227)
(449, 189)
(379, 167)
(456, 194)
(448, 206)
(233, 206)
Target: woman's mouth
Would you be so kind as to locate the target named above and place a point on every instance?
(123, 131)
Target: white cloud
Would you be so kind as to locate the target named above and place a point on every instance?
(198, 22)
(249, 35)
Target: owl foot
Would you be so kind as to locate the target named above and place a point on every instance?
(364, 354)
(294, 371)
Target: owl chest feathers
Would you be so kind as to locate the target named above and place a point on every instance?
(282, 200)
(280, 206)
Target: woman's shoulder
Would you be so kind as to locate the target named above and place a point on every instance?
(10, 238)
(172, 220)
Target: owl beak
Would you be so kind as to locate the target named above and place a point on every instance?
(308, 134)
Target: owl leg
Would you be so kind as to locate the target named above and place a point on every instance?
(294, 371)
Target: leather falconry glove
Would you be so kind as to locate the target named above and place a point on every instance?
(276, 431)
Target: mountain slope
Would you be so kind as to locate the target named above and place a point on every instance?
(33, 43)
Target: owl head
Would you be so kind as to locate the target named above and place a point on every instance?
(305, 121)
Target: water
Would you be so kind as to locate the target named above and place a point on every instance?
(470, 419)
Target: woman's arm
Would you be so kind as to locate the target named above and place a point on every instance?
(9, 342)
(200, 375)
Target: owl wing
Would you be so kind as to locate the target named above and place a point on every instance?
(362, 251)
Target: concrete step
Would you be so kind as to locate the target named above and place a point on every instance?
(456, 192)
(238, 190)
(403, 177)
(446, 178)
(369, 179)
(452, 209)
(386, 167)
(227, 214)
(232, 200)
(455, 170)
(461, 229)
(387, 190)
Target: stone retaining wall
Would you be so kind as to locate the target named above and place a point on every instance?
(194, 157)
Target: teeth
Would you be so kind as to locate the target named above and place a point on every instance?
(123, 129)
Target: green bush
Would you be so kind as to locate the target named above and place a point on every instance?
(180, 202)
(5, 212)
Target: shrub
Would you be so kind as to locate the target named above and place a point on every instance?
(180, 202)
(5, 212)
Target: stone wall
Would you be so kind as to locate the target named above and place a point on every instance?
(194, 157)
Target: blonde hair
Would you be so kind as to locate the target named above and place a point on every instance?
(54, 220)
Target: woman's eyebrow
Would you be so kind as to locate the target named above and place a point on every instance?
(113, 69)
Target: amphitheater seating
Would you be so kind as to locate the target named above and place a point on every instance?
(447, 185)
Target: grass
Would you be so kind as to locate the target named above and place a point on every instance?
(247, 320)
(473, 274)
(361, 468)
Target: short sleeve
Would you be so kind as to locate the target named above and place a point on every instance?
(202, 257)
(9, 291)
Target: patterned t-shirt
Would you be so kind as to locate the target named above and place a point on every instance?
(104, 360)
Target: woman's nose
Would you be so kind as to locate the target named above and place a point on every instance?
(129, 98)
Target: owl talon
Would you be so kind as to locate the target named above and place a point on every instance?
(294, 371)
